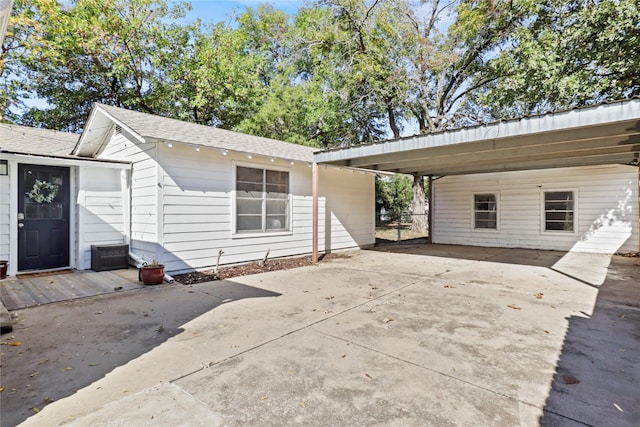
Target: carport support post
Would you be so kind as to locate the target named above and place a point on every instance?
(314, 195)
(430, 209)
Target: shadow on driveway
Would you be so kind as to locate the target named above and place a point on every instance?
(68, 345)
(598, 369)
(529, 257)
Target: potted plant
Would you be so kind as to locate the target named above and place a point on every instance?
(152, 274)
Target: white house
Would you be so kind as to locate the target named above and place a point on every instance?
(53, 205)
(181, 193)
(196, 190)
(564, 181)
(174, 191)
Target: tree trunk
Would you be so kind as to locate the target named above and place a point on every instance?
(392, 120)
(419, 224)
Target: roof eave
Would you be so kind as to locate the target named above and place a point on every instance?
(95, 134)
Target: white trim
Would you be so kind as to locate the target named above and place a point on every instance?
(13, 217)
(74, 227)
(473, 212)
(576, 218)
(159, 193)
(125, 187)
(234, 233)
(34, 159)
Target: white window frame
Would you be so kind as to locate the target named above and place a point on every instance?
(496, 194)
(543, 210)
(234, 218)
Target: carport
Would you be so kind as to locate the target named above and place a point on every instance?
(605, 134)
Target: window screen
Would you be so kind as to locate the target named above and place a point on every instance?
(485, 211)
(262, 200)
(559, 211)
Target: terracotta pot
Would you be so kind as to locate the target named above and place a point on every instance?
(152, 274)
(3, 269)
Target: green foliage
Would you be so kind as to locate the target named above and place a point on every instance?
(568, 54)
(72, 55)
(339, 72)
(394, 193)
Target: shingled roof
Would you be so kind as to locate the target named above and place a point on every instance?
(152, 128)
(35, 141)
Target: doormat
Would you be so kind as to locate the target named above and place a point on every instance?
(43, 273)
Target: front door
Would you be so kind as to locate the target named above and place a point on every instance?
(43, 217)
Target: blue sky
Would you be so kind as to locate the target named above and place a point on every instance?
(222, 10)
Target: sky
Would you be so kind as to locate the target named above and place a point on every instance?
(222, 10)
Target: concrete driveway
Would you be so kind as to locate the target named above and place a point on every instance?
(432, 335)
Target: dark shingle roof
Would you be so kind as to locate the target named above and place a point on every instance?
(44, 142)
(149, 126)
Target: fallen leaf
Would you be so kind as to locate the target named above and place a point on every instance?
(43, 361)
(1, 389)
(34, 374)
(515, 307)
(539, 295)
(94, 364)
(546, 332)
(449, 286)
(328, 298)
(344, 355)
(368, 376)
(387, 320)
(302, 403)
(66, 369)
(13, 343)
(568, 379)
(36, 410)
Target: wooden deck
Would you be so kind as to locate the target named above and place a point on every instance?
(29, 291)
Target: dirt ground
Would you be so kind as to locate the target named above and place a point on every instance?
(389, 234)
(275, 264)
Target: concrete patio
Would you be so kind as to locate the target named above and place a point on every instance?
(429, 335)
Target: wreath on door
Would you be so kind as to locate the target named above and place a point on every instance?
(43, 191)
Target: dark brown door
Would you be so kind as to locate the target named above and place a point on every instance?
(43, 217)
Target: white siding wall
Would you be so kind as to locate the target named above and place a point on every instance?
(197, 209)
(5, 213)
(144, 191)
(101, 210)
(350, 207)
(606, 209)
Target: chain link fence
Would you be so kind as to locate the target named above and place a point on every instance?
(395, 227)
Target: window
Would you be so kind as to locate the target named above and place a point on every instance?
(485, 211)
(262, 200)
(558, 210)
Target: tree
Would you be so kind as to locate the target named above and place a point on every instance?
(394, 193)
(72, 55)
(568, 54)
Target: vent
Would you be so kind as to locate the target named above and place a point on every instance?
(118, 130)
(109, 257)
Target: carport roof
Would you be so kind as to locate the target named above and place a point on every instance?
(608, 133)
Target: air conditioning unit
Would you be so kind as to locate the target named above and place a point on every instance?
(109, 257)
